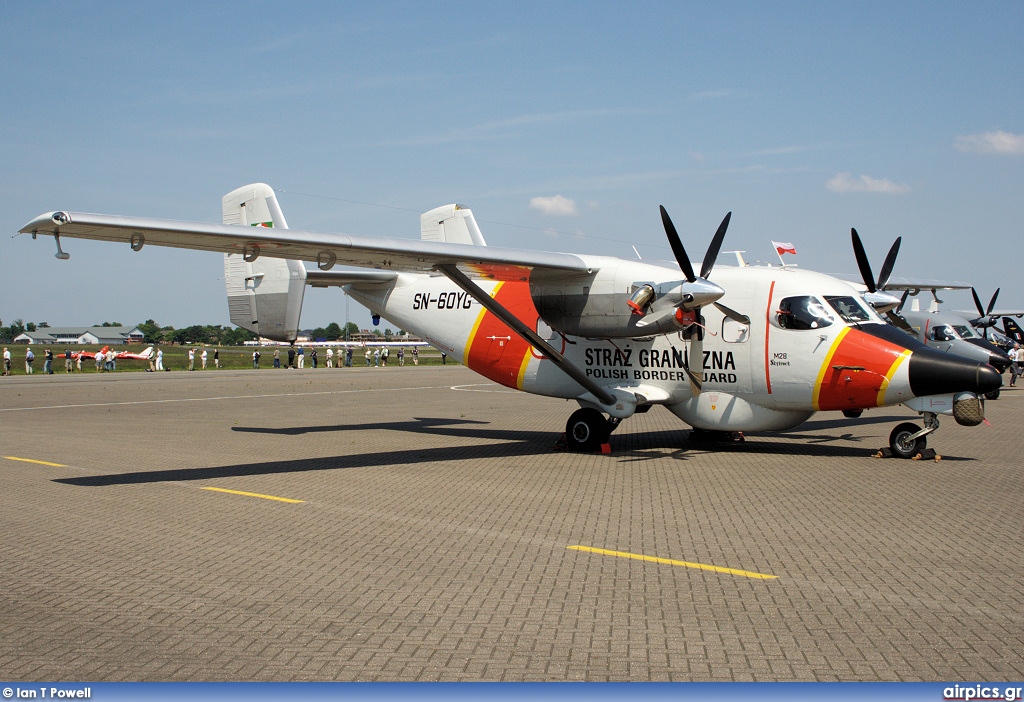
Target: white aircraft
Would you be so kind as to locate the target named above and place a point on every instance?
(758, 349)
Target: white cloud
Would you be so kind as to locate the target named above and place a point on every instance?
(991, 143)
(556, 205)
(846, 183)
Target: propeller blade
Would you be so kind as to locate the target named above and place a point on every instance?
(992, 302)
(732, 314)
(862, 262)
(714, 248)
(677, 247)
(696, 351)
(903, 301)
(977, 303)
(890, 261)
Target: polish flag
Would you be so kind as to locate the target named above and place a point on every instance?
(784, 247)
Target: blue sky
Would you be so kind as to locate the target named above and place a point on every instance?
(562, 125)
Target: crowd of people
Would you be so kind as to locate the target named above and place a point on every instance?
(199, 358)
(296, 357)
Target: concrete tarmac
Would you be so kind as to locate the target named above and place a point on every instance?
(415, 524)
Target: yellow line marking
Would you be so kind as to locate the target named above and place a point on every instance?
(253, 494)
(669, 561)
(30, 460)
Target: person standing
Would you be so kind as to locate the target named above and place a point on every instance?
(7, 361)
(330, 357)
(302, 357)
(348, 357)
(415, 356)
(159, 359)
(48, 361)
(401, 357)
(68, 367)
(312, 356)
(101, 359)
(191, 359)
(78, 361)
(202, 358)
(152, 362)
(444, 359)
(1016, 367)
(291, 356)
(277, 358)
(216, 358)
(29, 357)
(256, 359)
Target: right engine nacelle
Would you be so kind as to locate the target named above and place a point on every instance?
(597, 305)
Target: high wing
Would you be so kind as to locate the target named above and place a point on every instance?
(915, 285)
(325, 250)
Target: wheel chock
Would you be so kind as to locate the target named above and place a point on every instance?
(560, 444)
(927, 455)
(884, 452)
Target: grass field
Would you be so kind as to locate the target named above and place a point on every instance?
(176, 358)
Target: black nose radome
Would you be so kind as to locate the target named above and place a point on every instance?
(937, 373)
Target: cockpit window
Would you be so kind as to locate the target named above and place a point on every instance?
(942, 332)
(803, 312)
(848, 308)
(966, 332)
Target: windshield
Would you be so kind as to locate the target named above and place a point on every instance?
(803, 312)
(942, 332)
(849, 308)
(965, 331)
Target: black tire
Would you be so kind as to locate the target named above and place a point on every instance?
(853, 414)
(900, 444)
(994, 395)
(586, 430)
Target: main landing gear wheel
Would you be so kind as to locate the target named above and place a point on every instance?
(994, 395)
(586, 430)
(902, 445)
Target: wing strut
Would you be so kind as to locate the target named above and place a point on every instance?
(530, 336)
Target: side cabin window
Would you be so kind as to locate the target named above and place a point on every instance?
(803, 312)
(941, 332)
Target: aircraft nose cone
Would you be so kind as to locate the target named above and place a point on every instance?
(936, 373)
(996, 357)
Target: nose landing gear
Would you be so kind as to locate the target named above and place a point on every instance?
(908, 440)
